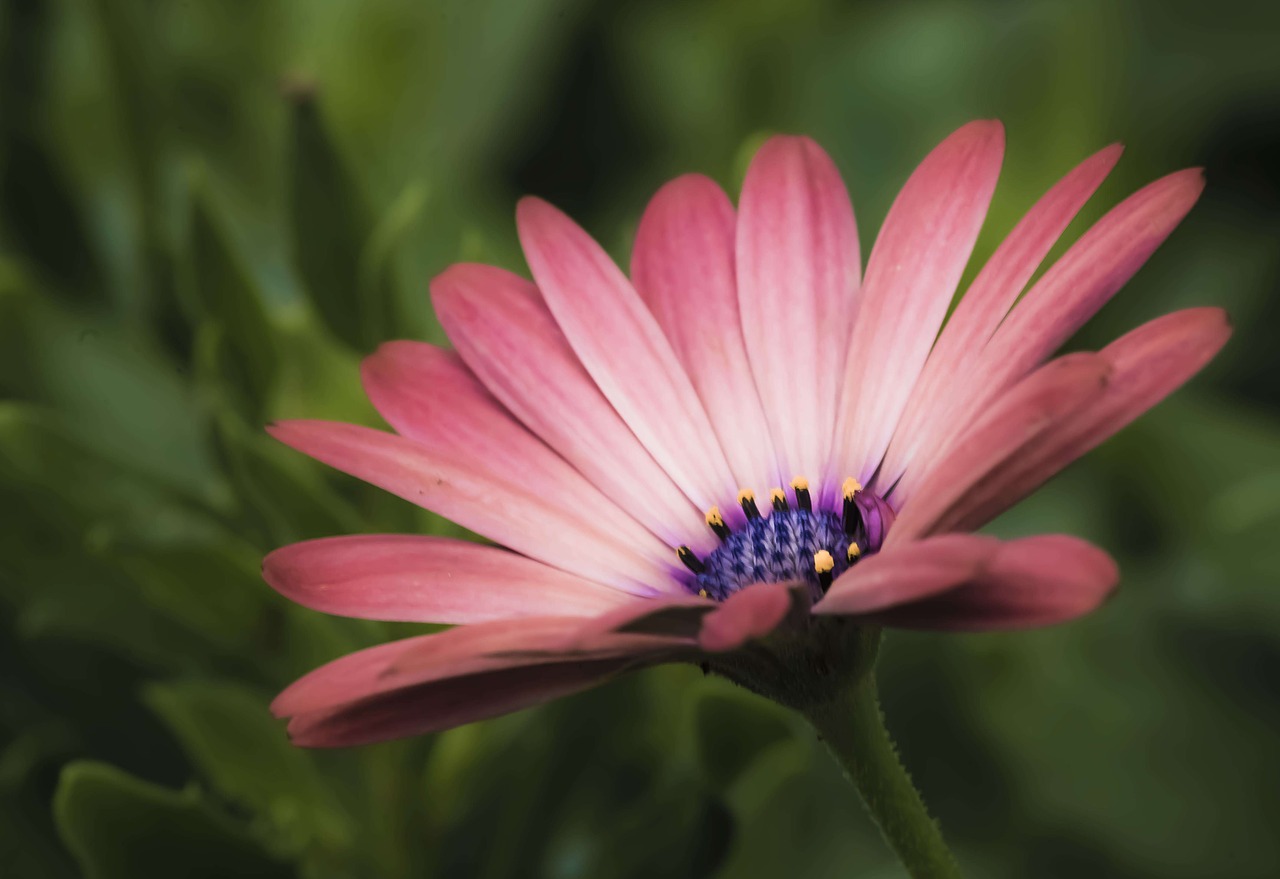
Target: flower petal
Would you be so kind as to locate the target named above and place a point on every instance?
(682, 265)
(1036, 581)
(506, 335)
(451, 702)
(1038, 405)
(749, 613)
(907, 573)
(669, 617)
(411, 578)
(797, 265)
(462, 652)
(912, 275)
(508, 493)
(428, 395)
(621, 345)
(1074, 288)
(1148, 364)
(984, 305)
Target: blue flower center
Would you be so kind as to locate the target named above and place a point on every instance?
(789, 542)
(776, 548)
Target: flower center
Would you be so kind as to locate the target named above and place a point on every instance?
(792, 541)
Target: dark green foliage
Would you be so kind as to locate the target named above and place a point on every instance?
(119, 827)
(331, 230)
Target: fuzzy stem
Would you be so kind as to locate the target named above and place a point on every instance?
(852, 725)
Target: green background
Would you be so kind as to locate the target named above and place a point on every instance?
(210, 209)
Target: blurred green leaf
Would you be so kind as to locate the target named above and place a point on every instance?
(111, 386)
(282, 495)
(244, 753)
(331, 228)
(26, 849)
(225, 293)
(119, 827)
(733, 729)
(49, 460)
(35, 192)
(681, 831)
(377, 261)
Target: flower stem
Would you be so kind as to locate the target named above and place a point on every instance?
(853, 728)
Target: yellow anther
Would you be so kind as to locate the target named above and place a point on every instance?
(801, 487)
(747, 498)
(716, 522)
(691, 561)
(854, 551)
(702, 593)
(745, 495)
(778, 498)
(851, 487)
(823, 563)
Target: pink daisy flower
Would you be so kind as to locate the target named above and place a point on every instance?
(750, 454)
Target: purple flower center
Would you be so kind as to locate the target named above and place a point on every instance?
(790, 542)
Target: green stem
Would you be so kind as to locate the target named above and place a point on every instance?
(853, 727)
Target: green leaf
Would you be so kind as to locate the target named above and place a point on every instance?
(283, 499)
(677, 831)
(224, 291)
(332, 225)
(26, 847)
(243, 751)
(34, 199)
(733, 729)
(119, 827)
(377, 262)
(113, 387)
(45, 458)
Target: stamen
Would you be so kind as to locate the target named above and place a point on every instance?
(779, 499)
(716, 521)
(691, 561)
(852, 517)
(800, 486)
(824, 565)
(799, 537)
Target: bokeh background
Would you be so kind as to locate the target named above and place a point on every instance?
(211, 209)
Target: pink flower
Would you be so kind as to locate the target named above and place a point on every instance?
(749, 444)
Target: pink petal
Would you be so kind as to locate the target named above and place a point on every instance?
(683, 267)
(907, 573)
(1075, 287)
(409, 578)
(1151, 362)
(504, 332)
(669, 617)
(498, 486)
(621, 345)
(749, 613)
(1041, 403)
(984, 305)
(797, 267)
(912, 274)
(1148, 364)
(452, 702)
(462, 652)
(1036, 581)
(425, 393)
(428, 395)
